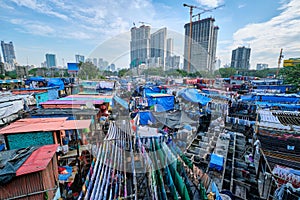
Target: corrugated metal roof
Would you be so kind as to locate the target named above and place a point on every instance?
(90, 96)
(44, 124)
(71, 102)
(38, 160)
(76, 124)
(60, 106)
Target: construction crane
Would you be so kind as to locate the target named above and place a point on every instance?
(207, 10)
(190, 33)
(143, 23)
(279, 62)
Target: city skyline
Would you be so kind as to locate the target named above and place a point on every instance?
(66, 29)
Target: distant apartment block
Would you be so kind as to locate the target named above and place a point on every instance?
(9, 56)
(158, 46)
(240, 58)
(139, 45)
(79, 58)
(2, 70)
(203, 45)
(170, 47)
(172, 62)
(261, 66)
(50, 60)
(22, 71)
(102, 64)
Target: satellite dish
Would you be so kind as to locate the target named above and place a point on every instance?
(89, 105)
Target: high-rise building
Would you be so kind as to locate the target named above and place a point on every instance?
(203, 45)
(22, 71)
(50, 60)
(170, 47)
(79, 58)
(8, 52)
(2, 70)
(260, 66)
(95, 61)
(113, 67)
(240, 58)
(9, 56)
(172, 62)
(217, 64)
(139, 45)
(158, 46)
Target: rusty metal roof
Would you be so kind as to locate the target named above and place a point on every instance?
(44, 124)
(38, 160)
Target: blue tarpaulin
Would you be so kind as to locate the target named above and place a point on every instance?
(164, 102)
(291, 107)
(215, 190)
(121, 101)
(193, 95)
(146, 117)
(216, 162)
(52, 82)
(36, 79)
(272, 98)
(151, 90)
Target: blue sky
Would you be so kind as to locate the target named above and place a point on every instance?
(100, 28)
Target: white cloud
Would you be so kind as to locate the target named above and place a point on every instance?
(267, 38)
(40, 8)
(5, 6)
(210, 3)
(33, 27)
(241, 5)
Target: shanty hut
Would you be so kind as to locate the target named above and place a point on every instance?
(39, 131)
(35, 178)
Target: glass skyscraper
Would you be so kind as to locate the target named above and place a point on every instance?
(50, 60)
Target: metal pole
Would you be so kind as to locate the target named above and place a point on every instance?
(190, 41)
(77, 157)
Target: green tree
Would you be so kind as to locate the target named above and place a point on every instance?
(123, 72)
(173, 72)
(227, 72)
(291, 75)
(11, 74)
(88, 71)
(183, 73)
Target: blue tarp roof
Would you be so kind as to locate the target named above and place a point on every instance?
(216, 162)
(163, 103)
(37, 79)
(193, 95)
(56, 82)
(282, 106)
(272, 98)
(151, 90)
(52, 82)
